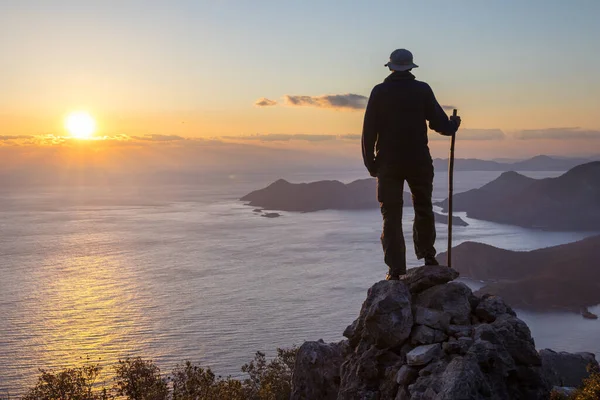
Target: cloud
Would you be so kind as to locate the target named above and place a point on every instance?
(557, 133)
(472, 134)
(264, 102)
(17, 137)
(159, 138)
(277, 137)
(349, 101)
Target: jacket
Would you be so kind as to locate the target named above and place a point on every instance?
(395, 131)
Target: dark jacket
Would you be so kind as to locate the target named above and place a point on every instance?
(395, 132)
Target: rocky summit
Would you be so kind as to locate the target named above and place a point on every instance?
(427, 337)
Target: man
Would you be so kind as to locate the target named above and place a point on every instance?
(394, 149)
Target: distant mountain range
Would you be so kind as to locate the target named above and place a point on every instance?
(537, 163)
(565, 277)
(568, 202)
(282, 195)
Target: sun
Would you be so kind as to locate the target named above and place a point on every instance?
(80, 124)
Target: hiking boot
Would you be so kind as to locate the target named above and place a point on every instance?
(431, 261)
(390, 277)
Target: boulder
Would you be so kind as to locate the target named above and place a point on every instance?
(421, 278)
(385, 318)
(433, 318)
(491, 307)
(317, 370)
(429, 338)
(421, 355)
(566, 369)
(451, 298)
(422, 334)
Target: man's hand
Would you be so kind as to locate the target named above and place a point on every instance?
(456, 120)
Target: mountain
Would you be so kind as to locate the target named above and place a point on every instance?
(565, 277)
(325, 195)
(427, 337)
(568, 202)
(537, 163)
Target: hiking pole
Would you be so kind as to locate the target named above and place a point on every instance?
(450, 190)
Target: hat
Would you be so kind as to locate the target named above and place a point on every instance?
(401, 60)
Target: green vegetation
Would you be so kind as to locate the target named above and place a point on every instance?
(138, 379)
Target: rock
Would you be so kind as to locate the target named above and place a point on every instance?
(385, 318)
(317, 370)
(566, 369)
(271, 215)
(451, 298)
(516, 338)
(458, 346)
(461, 347)
(587, 314)
(459, 330)
(402, 394)
(257, 210)
(421, 355)
(422, 334)
(406, 375)
(432, 318)
(491, 307)
(362, 370)
(563, 391)
(421, 278)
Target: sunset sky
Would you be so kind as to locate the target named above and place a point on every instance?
(523, 74)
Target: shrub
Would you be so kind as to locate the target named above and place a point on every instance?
(69, 384)
(273, 380)
(191, 382)
(140, 380)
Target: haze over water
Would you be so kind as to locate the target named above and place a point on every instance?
(188, 272)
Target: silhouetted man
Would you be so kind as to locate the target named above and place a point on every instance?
(394, 149)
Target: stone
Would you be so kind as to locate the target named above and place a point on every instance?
(385, 317)
(317, 370)
(421, 355)
(406, 375)
(362, 370)
(423, 334)
(566, 369)
(483, 351)
(457, 346)
(491, 307)
(516, 338)
(422, 278)
(451, 298)
(563, 391)
(433, 318)
(459, 330)
(402, 394)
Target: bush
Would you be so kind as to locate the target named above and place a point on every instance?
(138, 379)
(191, 382)
(69, 384)
(273, 380)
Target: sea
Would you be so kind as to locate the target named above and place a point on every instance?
(189, 272)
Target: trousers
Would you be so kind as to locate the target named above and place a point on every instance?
(390, 194)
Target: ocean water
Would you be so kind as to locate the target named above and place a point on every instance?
(191, 273)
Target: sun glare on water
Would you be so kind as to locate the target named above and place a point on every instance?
(80, 125)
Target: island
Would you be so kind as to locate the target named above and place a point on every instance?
(282, 195)
(557, 278)
(568, 202)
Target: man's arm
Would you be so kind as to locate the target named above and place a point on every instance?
(369, 134)
(438, 120)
